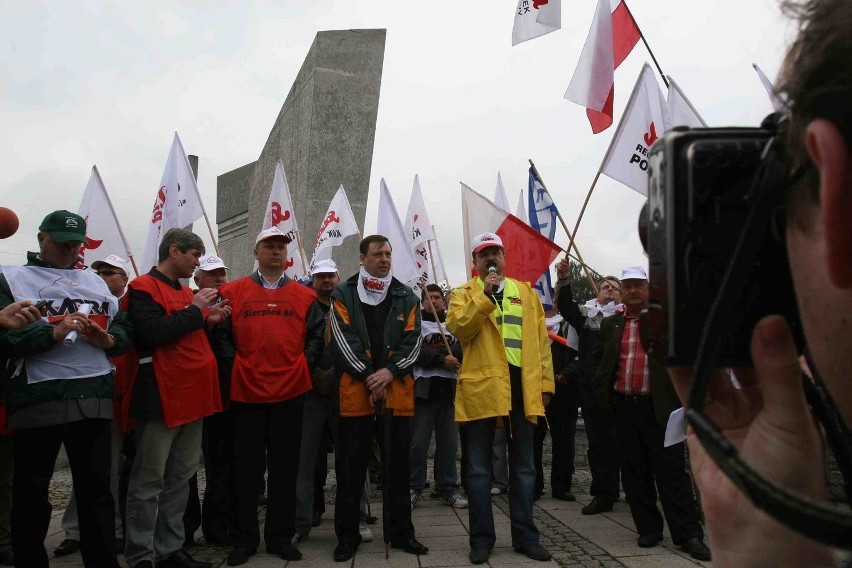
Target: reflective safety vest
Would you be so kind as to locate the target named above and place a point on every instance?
(510, 315)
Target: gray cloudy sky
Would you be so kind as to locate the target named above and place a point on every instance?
(108, 84)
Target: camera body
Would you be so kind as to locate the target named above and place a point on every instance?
(698, 200)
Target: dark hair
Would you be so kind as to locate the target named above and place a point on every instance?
(610, 279)
(364, 247)
(432, 288)
(185, 241)
(816, 80)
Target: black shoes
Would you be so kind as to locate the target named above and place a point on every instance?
(285, 550)
(344, 551)
(533, 551)
(182, 559)
(567, 496)
(240, 555)
(479, 555)
(7, 558)
(649, 540)
(596, 507)
(411, 546)
(316, 520)
(696, 548)
(143, 564)
(66, 547)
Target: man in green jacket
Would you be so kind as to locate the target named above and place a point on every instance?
(61, 390)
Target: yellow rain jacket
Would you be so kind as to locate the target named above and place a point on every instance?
(483, 384)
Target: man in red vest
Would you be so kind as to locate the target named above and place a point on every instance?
(177, 385)
(277, 330)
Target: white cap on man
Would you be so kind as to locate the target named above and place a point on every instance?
(112, 260)
(270, 233)
(634, 273)
(484, 241)
(210, 262)
(324, 267)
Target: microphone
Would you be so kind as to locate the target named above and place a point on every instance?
(491, 266)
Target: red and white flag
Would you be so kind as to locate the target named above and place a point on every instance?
(501, 200)
(778, 104)
(681, 111)
(403, 265)
(611, 38)
(419, 229)
(339, 222)
(528, 253)
(280, 213)
(534, 18)
(644, 120)
(176, 205)
(103, 231)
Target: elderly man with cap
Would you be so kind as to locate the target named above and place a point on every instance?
(61, 391)
(639, 392)
(319, 418)
(112, 271)
(506, 374)
(277, 332)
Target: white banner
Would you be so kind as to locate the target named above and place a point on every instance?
(103, 231)
(534, 18)
(403, 265)
(501, 200)
(280, 213)
(338, 223)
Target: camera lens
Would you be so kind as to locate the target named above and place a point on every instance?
(643, 225)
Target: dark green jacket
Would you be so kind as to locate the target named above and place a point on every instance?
(606, 356)
(35, 339)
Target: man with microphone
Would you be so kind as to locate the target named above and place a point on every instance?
(506, 375)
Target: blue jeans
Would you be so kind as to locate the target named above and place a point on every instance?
(437, 415)
(479, 436)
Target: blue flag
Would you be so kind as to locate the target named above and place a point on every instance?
(542, 218)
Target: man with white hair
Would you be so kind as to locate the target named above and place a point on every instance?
(638, 391)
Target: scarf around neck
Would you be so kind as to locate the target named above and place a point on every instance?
(372, 290)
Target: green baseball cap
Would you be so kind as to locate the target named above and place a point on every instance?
(64, 227)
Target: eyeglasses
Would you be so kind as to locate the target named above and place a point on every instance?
(108, 272)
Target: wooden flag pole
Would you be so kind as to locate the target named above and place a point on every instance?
(441, 259)
(571, 242)
(212, 237)
(432, 260)
(651, 53)
(133, 264)
(437, 320)
(301, 249)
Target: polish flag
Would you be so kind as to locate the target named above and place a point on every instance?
(528, 254)
(176, 205)
(534, 18)
(280, 213)
(339, 222)
(611, 38)
(403, 265)
(104, 236)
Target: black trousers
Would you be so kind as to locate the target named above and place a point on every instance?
(562, 419)
(218, 512)
(602, 453)
(87, 443)
(351, 456)
(266, 434)
(647, 468)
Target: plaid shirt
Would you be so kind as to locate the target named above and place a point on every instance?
(633, 377)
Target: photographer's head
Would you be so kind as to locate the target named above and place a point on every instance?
(817, 81)
(634, 289)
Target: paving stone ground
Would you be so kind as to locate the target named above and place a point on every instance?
(606, 540)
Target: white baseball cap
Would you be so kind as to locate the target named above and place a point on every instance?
(485, 240)
(634, 273)
(112, 260)
(324, 267)
(210, 262)
(272, 232)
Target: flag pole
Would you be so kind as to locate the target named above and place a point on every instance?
(441, 258)
(571, 242)
(117, 224)
(432, 260)
(193, 167)
(653, 57)
(301, 249)
(437, 320)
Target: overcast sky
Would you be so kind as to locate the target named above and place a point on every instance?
(91, 83)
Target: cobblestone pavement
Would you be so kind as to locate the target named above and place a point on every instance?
(606, 540)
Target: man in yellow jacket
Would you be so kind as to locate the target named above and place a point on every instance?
(506, 375)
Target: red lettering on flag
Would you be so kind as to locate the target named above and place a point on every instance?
(277, 217)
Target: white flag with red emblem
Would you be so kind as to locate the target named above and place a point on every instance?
(645, 119)
(534, 18)
(528, 253)
(403, 265)
(280, 213)
(611, 38)
(176, 205)
(419, 228)
(339, 222)
(103, 231)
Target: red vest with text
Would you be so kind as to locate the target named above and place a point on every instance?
(186, 371)
(126, 366)
(269, 333)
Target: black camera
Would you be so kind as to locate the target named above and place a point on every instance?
(702, 187)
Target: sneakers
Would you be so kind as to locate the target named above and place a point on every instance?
(456, 501)
(414, 496)
(365, 531)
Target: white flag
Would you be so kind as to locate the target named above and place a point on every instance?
(521, 210)
(681, 111)
(338, 223)
(419, 229)
(501, 200)
(280, 213)
(643, 121)
(778, 104)
(534, 18)
(403, 265)
(176, 205)
(103, 231)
